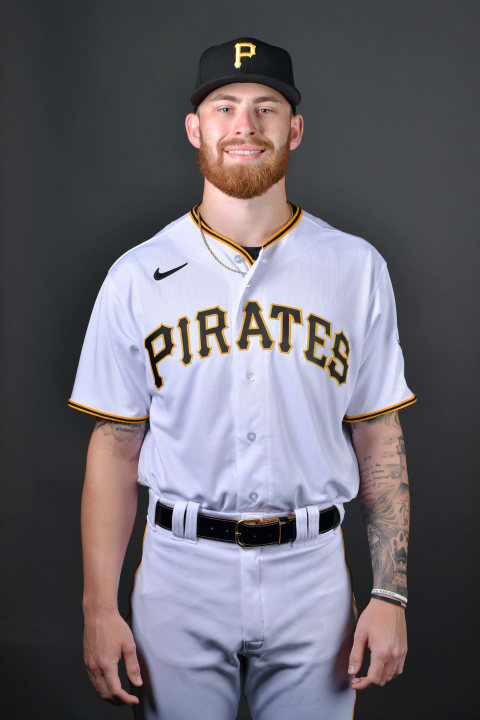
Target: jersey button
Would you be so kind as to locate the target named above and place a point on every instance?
(248, 284)
(251, 436)
(253, 497)
(238, 258)
(250, 376)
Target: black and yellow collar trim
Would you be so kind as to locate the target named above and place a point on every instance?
(297, 213)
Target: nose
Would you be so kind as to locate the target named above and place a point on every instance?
(245, 121)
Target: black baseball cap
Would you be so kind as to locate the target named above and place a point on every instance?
(245, 59)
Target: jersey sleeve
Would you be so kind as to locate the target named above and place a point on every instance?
(110, 381)
(380, 385)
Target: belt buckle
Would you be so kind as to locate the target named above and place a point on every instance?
(256, 521)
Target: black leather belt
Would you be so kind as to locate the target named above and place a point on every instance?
(250, 532)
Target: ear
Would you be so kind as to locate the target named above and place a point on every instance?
(192, 126)
(296, 125)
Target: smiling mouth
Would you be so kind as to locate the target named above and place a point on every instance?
(245, 152)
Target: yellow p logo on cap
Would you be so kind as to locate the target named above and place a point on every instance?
(239, 53)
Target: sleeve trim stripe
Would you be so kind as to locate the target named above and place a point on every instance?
(104, 415)
(355, 418)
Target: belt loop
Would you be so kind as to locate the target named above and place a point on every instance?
(302, 527)
(152, 505)
(341, 509)
(178, 519)
(191, 521)
(313, 514)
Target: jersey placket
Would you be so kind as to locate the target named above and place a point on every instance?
(250, 364)
(250, 383)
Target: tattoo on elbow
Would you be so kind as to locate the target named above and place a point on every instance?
(122, 432)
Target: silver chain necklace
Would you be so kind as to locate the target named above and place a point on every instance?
(218, 259)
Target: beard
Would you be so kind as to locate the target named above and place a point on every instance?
(244, 180)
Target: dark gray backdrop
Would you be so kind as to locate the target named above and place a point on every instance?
(96, 160)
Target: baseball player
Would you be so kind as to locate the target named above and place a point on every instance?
(244, 365)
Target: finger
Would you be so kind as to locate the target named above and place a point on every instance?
(398, 670)
(92, 679)
(101, 685)
(356, 655)
(116, 693)
(97, 680)
(373, 675)
(131, 665)
(389, 671)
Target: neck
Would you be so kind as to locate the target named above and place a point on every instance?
(247, 222)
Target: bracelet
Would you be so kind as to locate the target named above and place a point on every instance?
(391, 593)
(390, 600)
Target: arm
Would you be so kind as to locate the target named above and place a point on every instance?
(384, 497)
(108, 510)
(385, 502)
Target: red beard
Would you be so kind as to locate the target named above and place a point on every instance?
(244, 180)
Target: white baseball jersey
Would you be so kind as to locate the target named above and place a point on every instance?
(248, 381)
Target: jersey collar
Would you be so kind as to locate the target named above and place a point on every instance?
(297, 213)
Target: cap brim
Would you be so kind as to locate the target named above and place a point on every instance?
(291, 93)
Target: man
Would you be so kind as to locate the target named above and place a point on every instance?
(244, 364)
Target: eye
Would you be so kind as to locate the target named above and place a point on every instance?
(224, 107)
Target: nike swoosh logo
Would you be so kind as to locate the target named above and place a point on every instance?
(160, 275)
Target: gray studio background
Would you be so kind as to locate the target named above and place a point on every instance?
(96, 160)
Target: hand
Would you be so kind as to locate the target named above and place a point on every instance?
(107, 637)
(382, 627)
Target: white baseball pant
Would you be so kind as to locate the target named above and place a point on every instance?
(211, 619)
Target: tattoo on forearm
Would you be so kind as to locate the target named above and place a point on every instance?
(389, 419)
(385, 501)
(122, 432)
